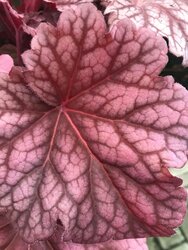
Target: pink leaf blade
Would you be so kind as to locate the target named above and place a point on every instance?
(168, 18)
(78, 166)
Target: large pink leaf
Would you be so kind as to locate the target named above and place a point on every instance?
(168, 17)
(64, 4)
(96, 159)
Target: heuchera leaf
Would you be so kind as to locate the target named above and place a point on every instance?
(95, 156)
(10, 240)
(65, 4)
(168, 17)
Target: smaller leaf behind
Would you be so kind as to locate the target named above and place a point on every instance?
(168, 17)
